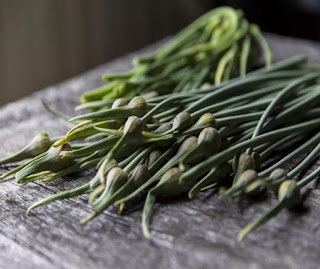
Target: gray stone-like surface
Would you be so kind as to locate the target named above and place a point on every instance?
(186, 234)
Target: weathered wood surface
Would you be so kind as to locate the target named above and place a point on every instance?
(186, 234)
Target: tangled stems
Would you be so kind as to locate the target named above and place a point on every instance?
(311, 142)
(287, 185)
(85, 188)
(291, 87)
(204, 167)
(209, 47)
(186, 142)
(38, 145)
(187, 145)
(288, 197)
(233, 88)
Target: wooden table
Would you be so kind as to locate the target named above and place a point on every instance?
(186, 234)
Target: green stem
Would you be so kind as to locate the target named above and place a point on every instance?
(260, 220)
(147, 212)
(226, 155)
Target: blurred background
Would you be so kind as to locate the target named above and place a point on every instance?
(46, 41)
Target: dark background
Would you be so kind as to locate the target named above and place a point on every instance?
(44, 42)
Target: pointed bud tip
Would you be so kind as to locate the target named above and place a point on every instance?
(120, 102)
(133, 125)
(207, 120)
(138, 105)
(188, 144)
(182, 121)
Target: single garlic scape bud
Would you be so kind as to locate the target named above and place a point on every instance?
(39, 144)
(111, 164)
(276, 178)
(51, 161)
(240, 164)
(115, 179)
(119, 102)
(181, 121)
(168, 186)
(288, 197)
(210, 141)
(257, 186)
(206, 120)
(133, 126)
(140, 175)
(153, 157)
(246, 178)
(188, 144)
(289, 193)
(138, 106)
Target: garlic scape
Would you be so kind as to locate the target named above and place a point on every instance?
(51, 161)
(79, 165)
(136, 107)
(245, 179)
(206, 120)
(153, 157)
(288, 197)
(39, 144)
(86, 129)
(241, 163)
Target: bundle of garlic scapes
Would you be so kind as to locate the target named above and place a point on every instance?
(218, 46)
(218, 136)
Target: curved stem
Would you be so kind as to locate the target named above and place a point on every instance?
(147, 212)
(260, 220)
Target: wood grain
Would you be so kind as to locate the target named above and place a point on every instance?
(186, 234)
